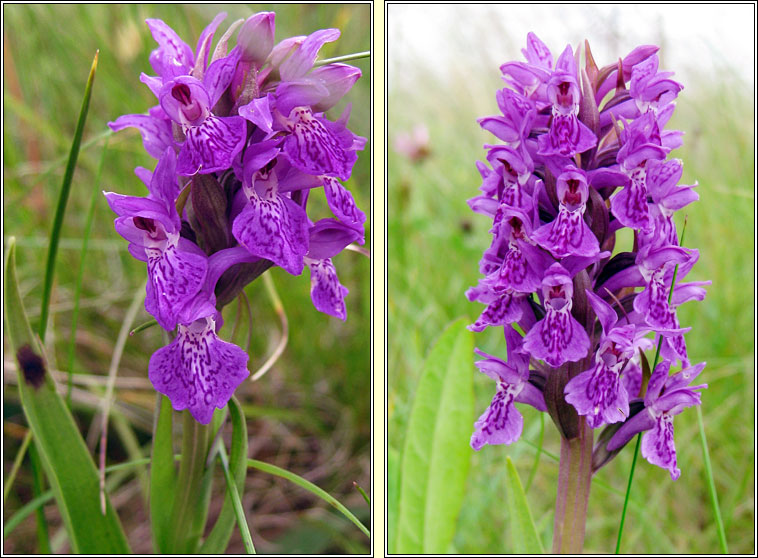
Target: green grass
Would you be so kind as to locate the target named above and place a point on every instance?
(435, 243)
(318, 392)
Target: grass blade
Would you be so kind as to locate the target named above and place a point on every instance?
(436, 456)
(218, 538)
(17, 464)
(236, 502)
(711, 483)
(60, 210)
(66, 461)
(523, 531)
(310, 487)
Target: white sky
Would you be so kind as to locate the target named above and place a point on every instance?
(695, 37)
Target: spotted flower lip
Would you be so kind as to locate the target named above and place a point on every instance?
(580, 153)
(242, 141)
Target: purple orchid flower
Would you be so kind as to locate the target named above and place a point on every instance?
(501, 423)
(558, 337)
(569, 234)
(666, 397)
(575, 163)
(176, 267)
(598, 392)
(249, 127)
(198, 370)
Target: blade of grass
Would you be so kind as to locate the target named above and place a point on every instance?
(60, 210)
(345, 58)
(711, 483)
(218, 539)
(143, 327)
(80, 276)
(363, 493)
(64, 456)
(309, 486)
(52, 252)
(234, 494)
(17, 464)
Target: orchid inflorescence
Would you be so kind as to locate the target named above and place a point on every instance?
(241, 140)
(584, 156)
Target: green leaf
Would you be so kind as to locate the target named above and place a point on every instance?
(218, 538)
(310, 487)
(66, 461)
(162, 475)
(523, 531)
(393, 496)
(436, 454)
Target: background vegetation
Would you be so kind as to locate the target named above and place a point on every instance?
(435, 243)
(311, 413)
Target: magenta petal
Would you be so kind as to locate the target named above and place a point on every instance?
(275, 229)
(567, 137)
(567, 235)
(211, 146)
(341, 203)
(658, 445)
(174, 277)
(501, 423)
(258, 112)
(219, 75)
(503, 310)
(598, 394)
(172, 53)
(556, 339)
(298, 64)
(156, 133)
(327, 294)
(315, 149)
(198, 371)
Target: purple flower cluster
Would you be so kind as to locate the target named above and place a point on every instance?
(241, 140)
(584, 155)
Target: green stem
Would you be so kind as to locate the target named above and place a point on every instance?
(185, 531)
(574, 481)
(711, 483)
(345, 58)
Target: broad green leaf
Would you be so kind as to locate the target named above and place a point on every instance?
(218, 538)
(523, 531)
(67, 463)
(436, 454)
(393, 496)
(162, 475)
(309, 486)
